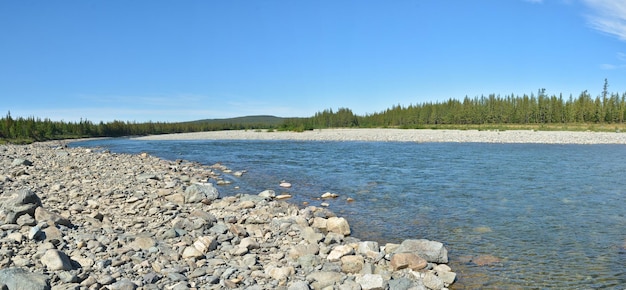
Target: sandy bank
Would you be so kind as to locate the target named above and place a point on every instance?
(404, 135)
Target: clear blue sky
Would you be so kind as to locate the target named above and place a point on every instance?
(187, 60)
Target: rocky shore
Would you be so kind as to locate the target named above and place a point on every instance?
(409, 135)
(80, 218)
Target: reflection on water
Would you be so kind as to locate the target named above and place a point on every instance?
(513, 216)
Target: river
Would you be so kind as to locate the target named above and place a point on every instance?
(521, 216)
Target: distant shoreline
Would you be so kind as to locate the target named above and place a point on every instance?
(407, 135)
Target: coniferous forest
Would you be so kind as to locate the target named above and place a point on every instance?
(525, 110)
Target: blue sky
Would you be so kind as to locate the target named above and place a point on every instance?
(187, 60)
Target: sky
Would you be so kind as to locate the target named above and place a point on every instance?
(172, 61)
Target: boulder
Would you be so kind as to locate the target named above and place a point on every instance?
(56, 260)
(338, 252)
(279, 273)
(338, 225)
(371, 282)
(412, 261)
(268, 194)
(205, 244)
(323, 279)
(352, 263)
(20, 161)
(431, 251)
(433, 282)
(24, 202)
(42, 214)
(200, 191)
(18, 278)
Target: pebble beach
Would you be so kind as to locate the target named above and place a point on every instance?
(85, 218)
(408, 135)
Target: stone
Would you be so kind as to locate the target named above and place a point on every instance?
(323, 279)
(279, 273)
(283, 196)
(338, 252)
(249, 243)
(205, 244)
(431, 251)
(312, 236)
(192, 252)
(123, 284)
(352, 263)
(368, 249)
(404, 284)
(198, 192)
(18, 278)
(17, 237)
(412, 261)
(56, 260)
(35, 233)
(485, 260)
(53, 234)
(371, 282)
(285, 184)
(143, 243)
(267, 194)
(26, 220)
(300, 250)
(299, 285)
(42, 215)
(24, 202)
(448, 278)
(330, 195)
(351, 285)
(338, 225)
(20, 161)
(431, 281)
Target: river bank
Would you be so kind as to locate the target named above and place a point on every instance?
(80, 218)
(408, 135)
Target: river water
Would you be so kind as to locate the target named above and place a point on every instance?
(542, 216)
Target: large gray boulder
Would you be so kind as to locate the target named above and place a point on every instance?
(200, 191)
(18, 278)
(24, 202)
(431, 251)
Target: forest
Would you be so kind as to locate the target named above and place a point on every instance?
(525, 110)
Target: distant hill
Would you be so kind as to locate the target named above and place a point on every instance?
(246, 120)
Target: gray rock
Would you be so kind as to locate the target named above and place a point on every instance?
(123, 284)
(35, 233)
(198, 192)
(324, 279)
(42, 214)
(26, 220)
(299, 285)
(20, 161)
(351, 285)
(371, 282)
(146, 176)
(269, 194)
(17, 278)
(405, 284)
(433, 282)
(56, 260)
(69, 286)
(431, 251)
(25, 202)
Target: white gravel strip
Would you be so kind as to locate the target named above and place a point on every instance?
(408, 135)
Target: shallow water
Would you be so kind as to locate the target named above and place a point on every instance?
(552, 216)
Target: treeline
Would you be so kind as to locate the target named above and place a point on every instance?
(26, 130)
(608, 108)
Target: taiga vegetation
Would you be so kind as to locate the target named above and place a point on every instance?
(606, 111)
